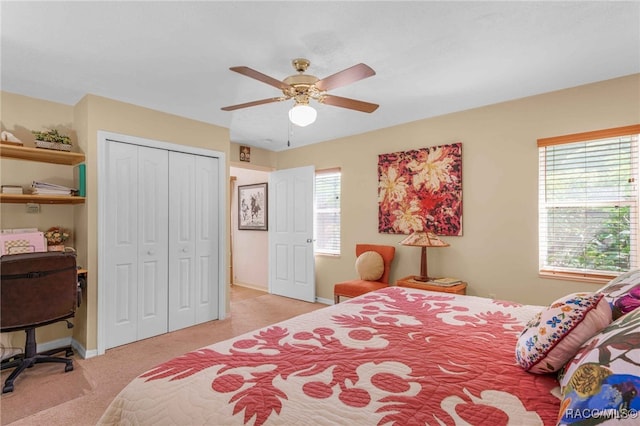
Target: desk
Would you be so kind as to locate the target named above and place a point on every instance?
(82, 278)
(410, 282)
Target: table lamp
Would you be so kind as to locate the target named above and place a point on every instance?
(423, 239)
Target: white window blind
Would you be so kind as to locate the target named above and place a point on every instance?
(327, 209)
(588, 203)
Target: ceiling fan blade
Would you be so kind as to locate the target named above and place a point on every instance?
(349, 103)
(344, 77)
(250, 104)
(249, 72)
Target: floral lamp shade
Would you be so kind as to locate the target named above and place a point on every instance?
(423, 239)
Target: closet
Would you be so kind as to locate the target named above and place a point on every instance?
(161, 243)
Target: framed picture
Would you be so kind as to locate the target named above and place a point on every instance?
(421, 190)
(245, 154)
(252, 207)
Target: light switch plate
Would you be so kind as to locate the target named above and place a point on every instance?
(33, 208)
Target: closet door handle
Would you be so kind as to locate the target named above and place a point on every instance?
(151, 252)
(185, 249)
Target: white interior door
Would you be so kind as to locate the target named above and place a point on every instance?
(136, 246)
(193, 239)
(291, 258)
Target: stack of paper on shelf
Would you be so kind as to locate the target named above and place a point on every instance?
(45, 188)
(12, 189)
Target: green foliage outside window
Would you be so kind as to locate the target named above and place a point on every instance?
(600, 238)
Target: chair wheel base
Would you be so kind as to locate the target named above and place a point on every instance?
(68, 367)
(7, 388)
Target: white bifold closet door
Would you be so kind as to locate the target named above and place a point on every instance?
(162, 241)
(137, 243)
(193, 236)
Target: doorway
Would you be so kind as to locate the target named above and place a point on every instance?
(280, 261)
(249, 248)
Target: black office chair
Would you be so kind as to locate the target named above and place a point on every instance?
(36, 289)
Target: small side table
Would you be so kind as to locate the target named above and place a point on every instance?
(411, 282)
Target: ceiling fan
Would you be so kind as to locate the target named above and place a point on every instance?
(303, 87)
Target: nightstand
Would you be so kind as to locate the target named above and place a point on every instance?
(460, 288)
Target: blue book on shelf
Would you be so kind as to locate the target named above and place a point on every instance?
(80, 177)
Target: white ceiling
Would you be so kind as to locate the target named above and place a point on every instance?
(431, 58)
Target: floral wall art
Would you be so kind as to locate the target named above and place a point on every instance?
(421, 190)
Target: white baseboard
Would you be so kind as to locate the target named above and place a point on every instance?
(252, 287)
(53, 344)
(318, 299)
(66, 341)
(88, 354)
(82, 351)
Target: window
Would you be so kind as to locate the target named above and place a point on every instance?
(588, 204)
(327, 212)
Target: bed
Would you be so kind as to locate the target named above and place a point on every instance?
(394, 356)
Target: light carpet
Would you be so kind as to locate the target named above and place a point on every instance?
(45, 394)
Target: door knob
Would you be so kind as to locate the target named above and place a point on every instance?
(185, 249)
(151, 252)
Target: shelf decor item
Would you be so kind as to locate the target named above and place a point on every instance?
(51, 139)
(9, 139)
(56, 237)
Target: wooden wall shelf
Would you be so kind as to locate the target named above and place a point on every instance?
(41, 199)
(44, 156)
(41, 155)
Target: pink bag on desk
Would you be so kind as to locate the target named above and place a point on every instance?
(28, 242)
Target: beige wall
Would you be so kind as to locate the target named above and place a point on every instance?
(86, 118)
(20, 115)
(498, 252)
(112, 116)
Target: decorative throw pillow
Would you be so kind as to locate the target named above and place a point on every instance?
(554, 335)
(623, 293)
(370, 266)
(602, 381)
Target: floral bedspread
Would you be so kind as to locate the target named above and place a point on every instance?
(396, 356)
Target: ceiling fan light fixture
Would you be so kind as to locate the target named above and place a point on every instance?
(302, 115)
